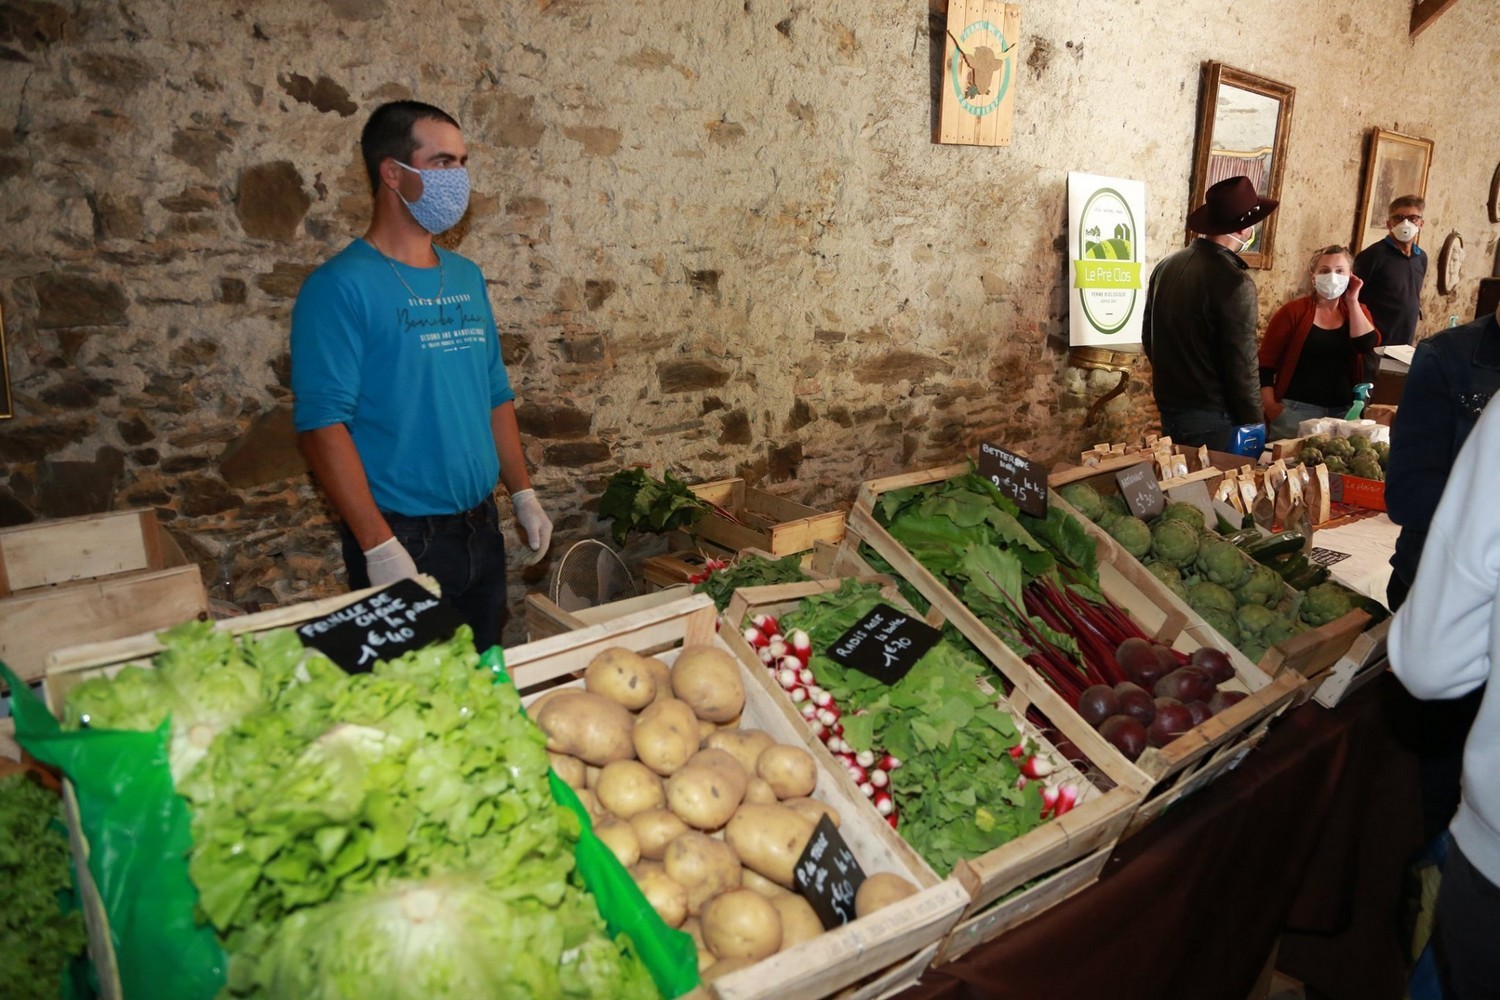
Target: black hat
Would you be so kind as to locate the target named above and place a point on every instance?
(1229, 206)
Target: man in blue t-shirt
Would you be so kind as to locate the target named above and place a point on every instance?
(1393, 270)
(403, 406)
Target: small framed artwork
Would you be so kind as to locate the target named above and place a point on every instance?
(1494, 205)
(7, 410)
(1395, 165)
(1450, 264)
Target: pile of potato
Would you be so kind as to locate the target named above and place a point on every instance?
(709, 818)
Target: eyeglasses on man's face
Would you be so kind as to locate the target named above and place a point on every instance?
(1405, 218)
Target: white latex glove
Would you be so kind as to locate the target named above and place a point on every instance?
(534, 522)
(388, 562)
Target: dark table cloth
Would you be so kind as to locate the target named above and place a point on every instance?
(1304, 844)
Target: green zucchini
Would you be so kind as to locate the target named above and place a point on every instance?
(1244, 537)
(1310, 577)
(1280, 544)
(1290, 566)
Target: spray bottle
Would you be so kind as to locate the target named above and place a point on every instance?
(1361, 395)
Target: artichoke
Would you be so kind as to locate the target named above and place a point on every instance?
(1174, 542)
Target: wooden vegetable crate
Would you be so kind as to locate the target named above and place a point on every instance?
(766, 521)
(86, 579)
(1311, 654)
(1164, 774)
(1362, 662)
(69, 667)
(1066, 853)
(875, 956)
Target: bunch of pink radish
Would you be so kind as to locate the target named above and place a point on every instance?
(1056, 799)
(787, 657)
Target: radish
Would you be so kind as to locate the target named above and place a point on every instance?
(829, 715)
(806, 676)
(1049, 800)
(1018, 751)
(809, 710)
(888, 763)
(865, 757)
(766, 623)
(858, 773)
(819, 696)
(1037, 766)
(755, 638)
(787, 679)
(764, 653)
(891, 819)
(879, 778)
(801, 644)
(817, 728)
(797, 694)
(778, 649)
(884, 804)
(847, 759)
(868, 789)
(1067, 798)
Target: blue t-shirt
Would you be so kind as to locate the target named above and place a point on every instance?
(413, 376)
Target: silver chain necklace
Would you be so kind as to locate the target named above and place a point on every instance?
(442, 274)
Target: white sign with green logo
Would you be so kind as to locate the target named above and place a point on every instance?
(1106, 253)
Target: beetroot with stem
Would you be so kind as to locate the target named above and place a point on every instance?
(1126, 734)
(1098, 703)
(1136, 702)
(1215, 661)
(1172, 720)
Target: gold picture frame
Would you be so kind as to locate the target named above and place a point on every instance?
(1395, 165)
(1244, 122)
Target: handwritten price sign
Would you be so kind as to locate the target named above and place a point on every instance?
(885, 644)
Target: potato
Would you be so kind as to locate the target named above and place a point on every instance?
(705, 730)
(707, 790)
(535, 708)
(623, 676)
(708, 679)
(655, 829)
(667, 896)
(569, 769)
(626, 787)
(760, 790)
(666, 735)
(619, 836)
(662, 675)
(741, 923)
(769, 839)
(813, 810)
(881, 890)
(694, 929)
(789, 770)
(591, 775)
(587, 726)
(590, 804)
(799, 921)
(704, 866)
(751, 879)
(746, 745)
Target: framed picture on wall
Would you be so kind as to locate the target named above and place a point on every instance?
(1395, 165)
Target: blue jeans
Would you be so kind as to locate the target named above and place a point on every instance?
(465, 553)
(1214, 428)
(1294, 412)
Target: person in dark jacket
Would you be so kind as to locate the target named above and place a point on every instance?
(1393, 270)
(1452, 377)
(1200, 319)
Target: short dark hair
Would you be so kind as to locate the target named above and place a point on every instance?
(388, 133)
(1409, 201)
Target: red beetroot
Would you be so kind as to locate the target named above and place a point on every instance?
(1136, 702)
(1127, 735)
(1186, 684)
(1098, 703)
(1172, 720)
(1215, 661)
(1200, 712)
(1139, 662)
(1224, 699)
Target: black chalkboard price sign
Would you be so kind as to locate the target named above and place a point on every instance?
(1017, 478)
(382, 626)
(885, 643)
(828, 875)
(1141, 491)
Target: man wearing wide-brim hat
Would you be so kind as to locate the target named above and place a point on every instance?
(1200, 320)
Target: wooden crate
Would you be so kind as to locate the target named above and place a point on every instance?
(545, 619)
(1066, 853)
(1362, 662)
(1311, 653)
(769, 522)
(67, 668)
(878, 955)
(1163, 772)
(86, 579)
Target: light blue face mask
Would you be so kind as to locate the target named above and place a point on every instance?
(444, 198)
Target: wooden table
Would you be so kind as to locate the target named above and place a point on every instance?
(1302, 848)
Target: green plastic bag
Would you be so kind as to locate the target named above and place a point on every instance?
(669, 955)
(139, 832)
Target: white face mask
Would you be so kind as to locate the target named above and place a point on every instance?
(1330, 285)
(1405, 230)
(1243, 244)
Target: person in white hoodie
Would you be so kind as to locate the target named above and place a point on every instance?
(1444, 643)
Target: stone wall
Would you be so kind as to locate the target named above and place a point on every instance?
(718, 236)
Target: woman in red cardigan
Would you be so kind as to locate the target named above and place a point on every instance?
(1315, 348)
